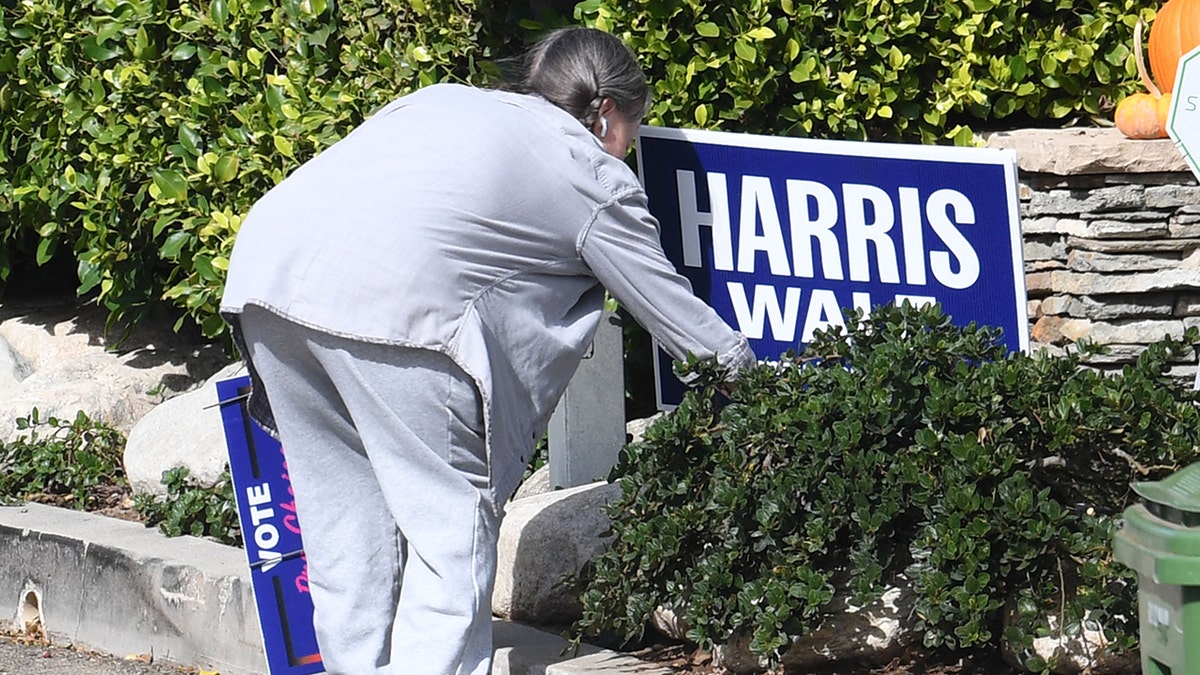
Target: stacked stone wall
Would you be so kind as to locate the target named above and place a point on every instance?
(1111, 233)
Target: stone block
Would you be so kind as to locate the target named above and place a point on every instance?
(1038, 282)
(1040, 250)
(1134, 332)
(544, 540)
(1079, 151)
(1134, 245)
(1132, 215)
(1117, 355)
(1116, 198)
(1106, 228)
(1034, 266)
(1056, 203)
(1172, 196)
(850, 633)
(1059, 305)
(1038, 225)
(1094, 261)
(1184, 227)
(1137, 305)
(1059, 330)
(1092, 283)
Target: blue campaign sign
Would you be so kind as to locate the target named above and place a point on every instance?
(780, 235)
(267, 512)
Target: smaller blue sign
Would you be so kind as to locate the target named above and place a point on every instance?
(267, 511)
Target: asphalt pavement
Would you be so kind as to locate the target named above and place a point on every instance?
(23, 657)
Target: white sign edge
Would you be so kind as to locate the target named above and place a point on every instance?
(876, 149)
(1192, 162)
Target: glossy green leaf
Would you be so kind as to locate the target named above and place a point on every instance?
(96, 51)
(170, 183)
(284, 146)
(174, 244)
(46, 249)
(190, 140)
(745, 51)
(218, 11)
(226, 168)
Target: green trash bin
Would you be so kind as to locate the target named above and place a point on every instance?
(1160, 539)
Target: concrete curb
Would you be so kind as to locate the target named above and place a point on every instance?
(123, 588)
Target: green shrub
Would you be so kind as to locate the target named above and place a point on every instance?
(135, 134)
(904, 451)
(189, 508)
(68, 459)
(892, 69)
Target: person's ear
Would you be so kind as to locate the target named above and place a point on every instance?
(607, 107)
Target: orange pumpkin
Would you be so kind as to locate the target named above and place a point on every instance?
(1143, 115)
(1176, 32)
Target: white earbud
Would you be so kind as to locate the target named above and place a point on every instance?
(603, 127)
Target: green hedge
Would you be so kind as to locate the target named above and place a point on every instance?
(877, 69)
(136, 134)
(904, 452)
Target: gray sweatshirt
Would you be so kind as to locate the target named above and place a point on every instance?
(481, 224)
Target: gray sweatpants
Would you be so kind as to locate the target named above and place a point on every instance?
(386, 454)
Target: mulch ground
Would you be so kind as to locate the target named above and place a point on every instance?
(913, 661)
(114, 501)
(687, 659)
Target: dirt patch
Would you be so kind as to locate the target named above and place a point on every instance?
(913, 661)
(114, 501)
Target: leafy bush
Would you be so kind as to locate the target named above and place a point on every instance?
(189, 508)
(903, 451)
(61, 458)
(895, 69)
(136, 134)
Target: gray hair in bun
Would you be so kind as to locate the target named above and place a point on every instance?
(575, 68)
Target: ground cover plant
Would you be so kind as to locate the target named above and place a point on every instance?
(77, 463)
(67, 462)
(900, 450)
(191, 508)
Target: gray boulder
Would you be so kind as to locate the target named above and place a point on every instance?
(183, 431)
(544, 540)
(62, 361)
